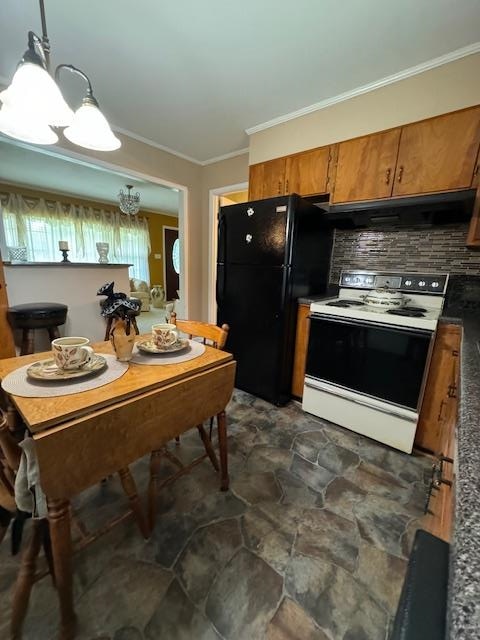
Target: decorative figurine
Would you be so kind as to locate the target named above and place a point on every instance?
(102, 249)
(120, 312)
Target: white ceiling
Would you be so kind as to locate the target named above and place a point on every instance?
(192, 75)
(38, 170)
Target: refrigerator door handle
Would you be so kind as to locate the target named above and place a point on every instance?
(221, 251)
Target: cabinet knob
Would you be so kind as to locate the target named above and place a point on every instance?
(279, 188)
(475, 172)
(286, 187)
(400, 174)
(388, 173)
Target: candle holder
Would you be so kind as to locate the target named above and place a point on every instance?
(64, 253)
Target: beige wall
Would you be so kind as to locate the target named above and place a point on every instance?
(452, 86)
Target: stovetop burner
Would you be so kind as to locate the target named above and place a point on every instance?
(345, 302)
(410, 312)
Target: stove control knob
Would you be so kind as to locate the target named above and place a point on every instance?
(356, 280)
(408, 283)
(435, 284)
(422, 283)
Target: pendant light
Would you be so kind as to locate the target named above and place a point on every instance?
(129, 202)
(33, 103)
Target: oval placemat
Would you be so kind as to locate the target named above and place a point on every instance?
(194, 350)
(17, 383)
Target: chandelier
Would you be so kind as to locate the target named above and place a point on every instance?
(33, 105)
(129, 202)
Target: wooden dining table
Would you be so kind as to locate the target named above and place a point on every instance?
(83, 438)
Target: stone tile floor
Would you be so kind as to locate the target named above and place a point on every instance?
(309, 544)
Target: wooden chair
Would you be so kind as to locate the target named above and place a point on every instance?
(215, 337)
(10, 455)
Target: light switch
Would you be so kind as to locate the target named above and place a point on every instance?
(157, 256)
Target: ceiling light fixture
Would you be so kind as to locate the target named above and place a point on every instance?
(33, 103)
(129, 203)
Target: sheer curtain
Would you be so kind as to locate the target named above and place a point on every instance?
(39, 224)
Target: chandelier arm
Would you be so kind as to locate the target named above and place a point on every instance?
(36, 51)
(80, 73)
(45, 40)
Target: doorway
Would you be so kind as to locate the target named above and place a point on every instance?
(223, 196)
(171, 262)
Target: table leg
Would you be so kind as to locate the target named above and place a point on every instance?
(24, 582)
(130, 489)
(222, 445)
(207, 443)
(59, 519)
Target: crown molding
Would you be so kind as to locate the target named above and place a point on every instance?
(154, 144)
(226, 156)
(396, 77)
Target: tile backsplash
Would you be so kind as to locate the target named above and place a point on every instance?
(417, 249)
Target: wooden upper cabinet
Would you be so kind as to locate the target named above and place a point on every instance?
(306, 173)
(366, 167)
(255, 181)
(266, 179)
(438, 154)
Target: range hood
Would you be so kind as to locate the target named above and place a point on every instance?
(428, 210)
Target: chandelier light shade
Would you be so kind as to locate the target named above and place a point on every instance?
(33, 103)
(129, 202)
(22, 126)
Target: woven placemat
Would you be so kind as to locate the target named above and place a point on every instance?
(194, 350)
(17, 383)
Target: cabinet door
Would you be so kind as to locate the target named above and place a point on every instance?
(439, 401)
(306, 173)
(274, 178)
(255, 181)
(301, 346)
(438, 154)
(473, 238)
(366, 166)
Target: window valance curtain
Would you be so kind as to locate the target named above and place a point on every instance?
(38, 224)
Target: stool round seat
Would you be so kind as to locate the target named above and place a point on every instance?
(36, 315)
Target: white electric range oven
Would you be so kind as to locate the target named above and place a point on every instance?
(367, 366)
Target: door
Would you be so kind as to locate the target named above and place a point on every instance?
(274, 178)
(171, 254)
(251, 300)
(382, 361)
(306, 173)
(438, 154)
(366, 167)
(254, 233)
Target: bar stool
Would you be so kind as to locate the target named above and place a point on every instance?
(37, 315)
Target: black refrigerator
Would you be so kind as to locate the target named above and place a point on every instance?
(270, 253)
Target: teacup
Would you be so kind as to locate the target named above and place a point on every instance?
(164, 335)
(71, 353)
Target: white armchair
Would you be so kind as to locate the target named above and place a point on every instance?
(140, 289)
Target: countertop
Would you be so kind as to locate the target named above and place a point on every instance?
(69, 265)
(464, 583)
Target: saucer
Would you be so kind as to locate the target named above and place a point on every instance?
(148, 346)
(48, 370)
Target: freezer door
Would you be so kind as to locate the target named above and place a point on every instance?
(252, 303)
(254, 233)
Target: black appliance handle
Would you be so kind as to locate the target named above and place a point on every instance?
(370, 323)
(220, 283)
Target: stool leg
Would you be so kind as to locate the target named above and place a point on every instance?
(53, 333)
(28, 342)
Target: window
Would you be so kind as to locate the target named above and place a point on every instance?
(38, 225)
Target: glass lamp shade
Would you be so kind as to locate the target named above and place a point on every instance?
(35, 93)
(26, 127)
(91, 130)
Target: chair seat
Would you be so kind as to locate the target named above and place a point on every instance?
(37, 315)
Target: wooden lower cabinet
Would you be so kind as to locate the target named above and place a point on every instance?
(440, 399)
(437, 426)
(301, 346)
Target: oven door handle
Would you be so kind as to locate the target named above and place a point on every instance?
(369, 323)
(317, 385)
